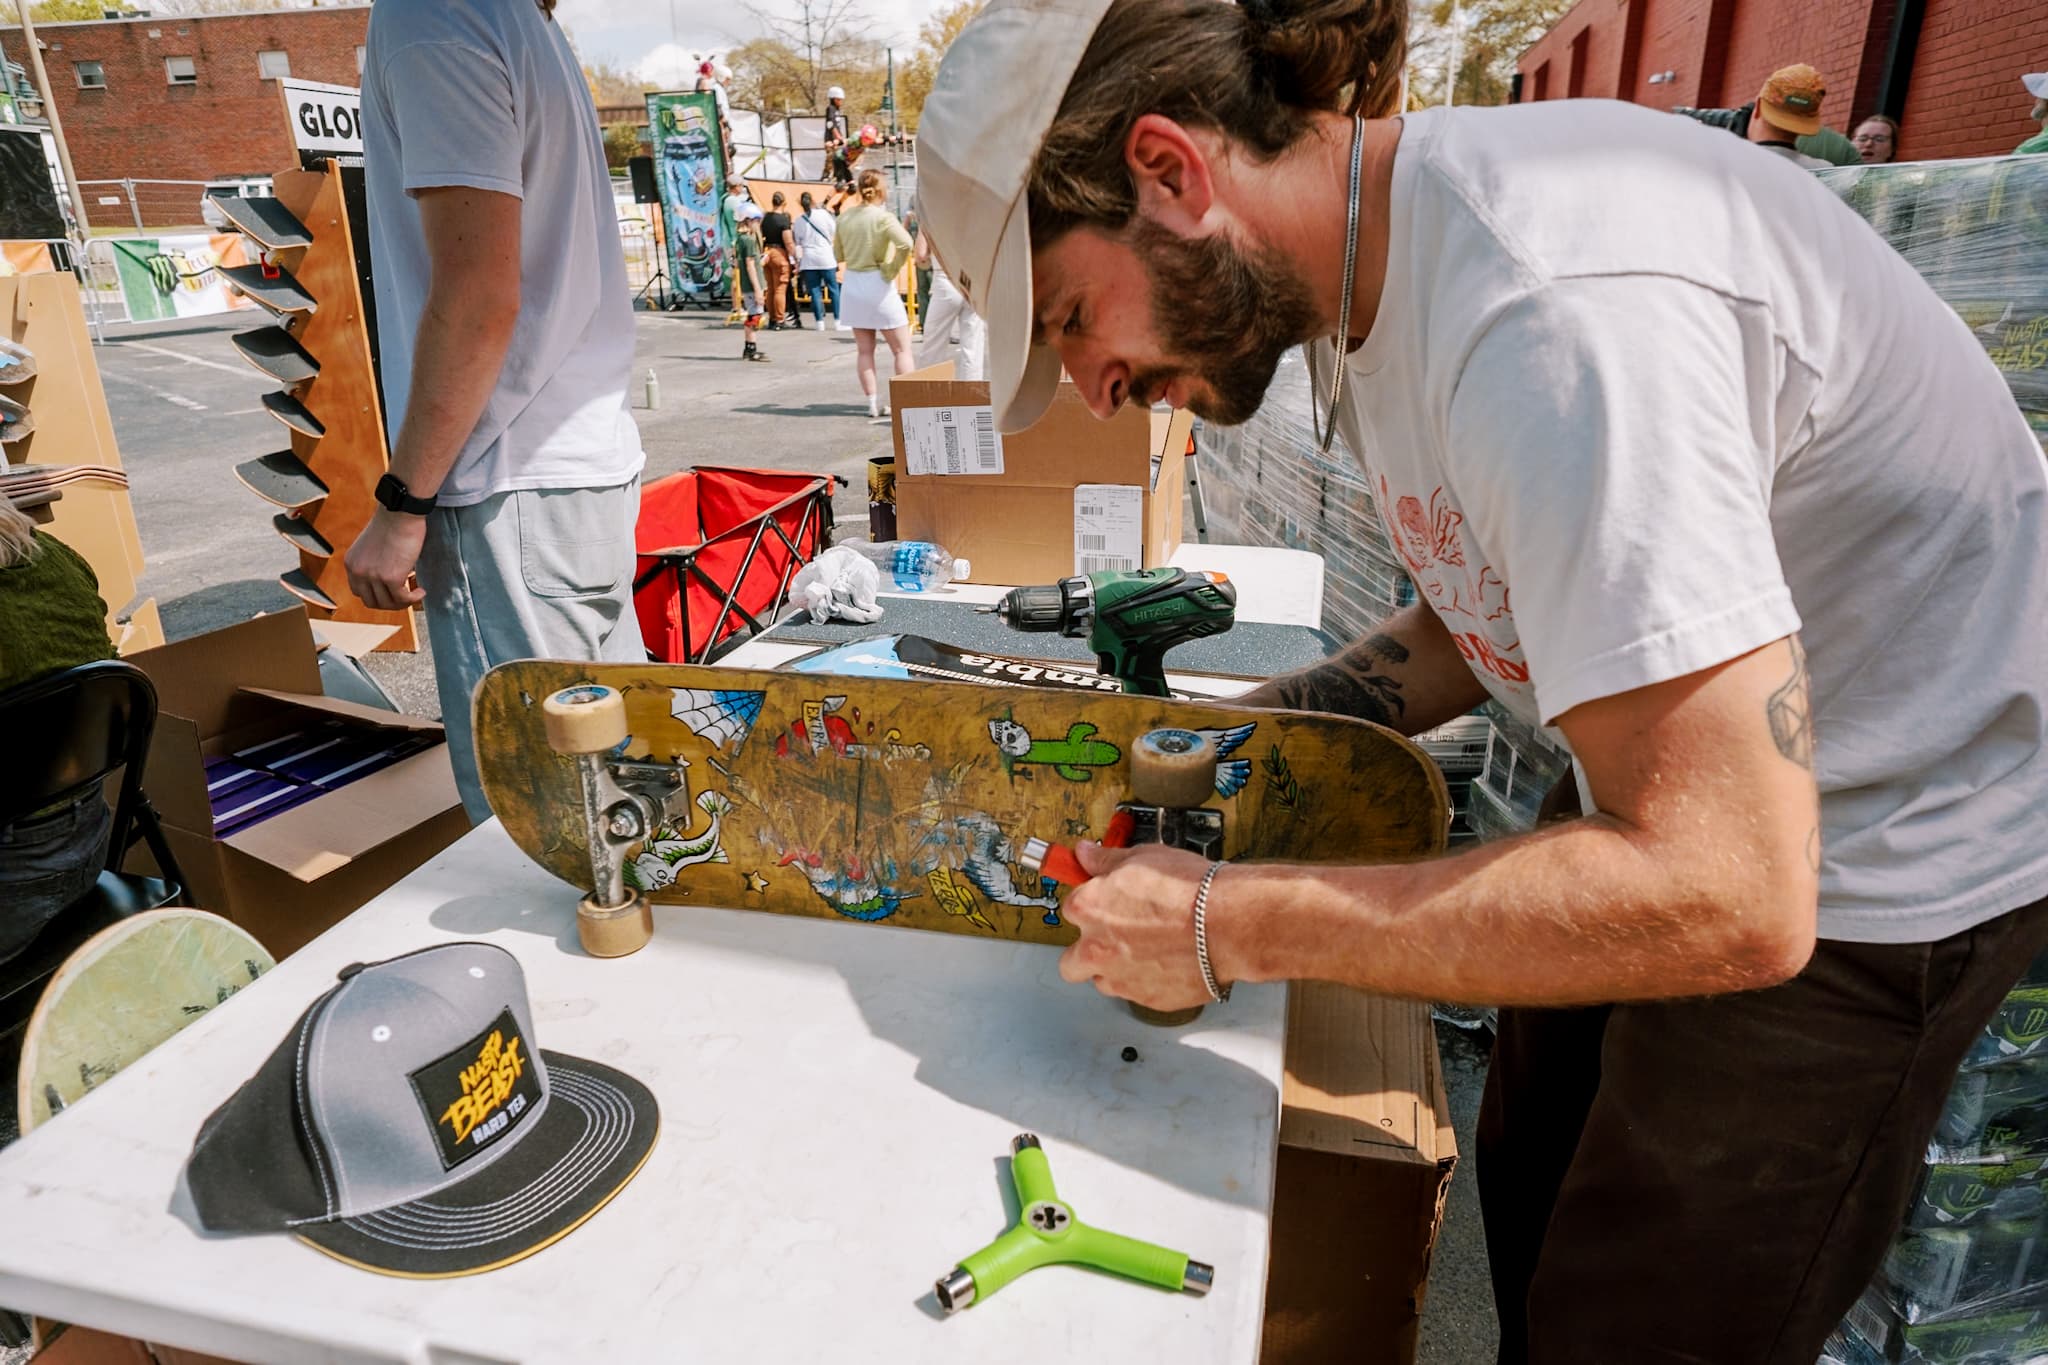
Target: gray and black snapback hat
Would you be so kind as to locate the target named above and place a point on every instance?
(408, 1125)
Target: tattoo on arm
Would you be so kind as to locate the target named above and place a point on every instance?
(1790, 712)
(1353, 684)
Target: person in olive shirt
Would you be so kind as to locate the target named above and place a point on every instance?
(778, 264)
(51, 618)
(746, 264)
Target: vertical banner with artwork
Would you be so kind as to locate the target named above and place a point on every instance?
(689, 169)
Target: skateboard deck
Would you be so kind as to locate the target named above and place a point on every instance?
(280, 293)
(268, 221)
(300, 535)
(293, 414)
(277, 353)
(300, 585)
(908, 802)
(126, 989)
(281, 477)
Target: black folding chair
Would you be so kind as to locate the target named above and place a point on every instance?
(67, 732)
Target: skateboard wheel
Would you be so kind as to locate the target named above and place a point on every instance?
(588, 719)
(616, 930)
(1172, 768)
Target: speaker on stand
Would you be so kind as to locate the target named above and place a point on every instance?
(645, 191)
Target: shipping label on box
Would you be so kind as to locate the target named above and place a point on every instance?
(1109, 527)
(952, 441)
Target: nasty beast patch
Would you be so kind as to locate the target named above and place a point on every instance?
(478, 1093)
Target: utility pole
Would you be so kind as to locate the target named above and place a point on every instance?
(1457, 46)
(35, 57)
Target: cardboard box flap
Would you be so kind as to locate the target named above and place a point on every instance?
(1341, 1095)
(353, 638)
(312, 840)
(335, 706)
(199, 677)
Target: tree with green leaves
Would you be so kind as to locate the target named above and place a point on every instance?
(71, 11)
(1487, 36)
(821, 45)
(914, 78)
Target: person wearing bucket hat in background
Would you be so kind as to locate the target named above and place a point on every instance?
(410, 1125)
(1689, 466)
(1787, 109)
(2037, 85)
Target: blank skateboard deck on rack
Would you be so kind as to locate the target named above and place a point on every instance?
(274, 226)
(907, 802)
(280, 293)
(301, 585)
(281, 477)
(300, 535)
(293, 414)
(277, 353)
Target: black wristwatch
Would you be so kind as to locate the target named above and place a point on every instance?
(394, 496)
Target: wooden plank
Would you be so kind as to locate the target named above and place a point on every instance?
(43, 312)
(350, 457)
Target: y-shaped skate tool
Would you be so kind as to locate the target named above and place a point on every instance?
(1048, 1233)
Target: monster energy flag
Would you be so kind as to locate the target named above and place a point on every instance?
(177, 277)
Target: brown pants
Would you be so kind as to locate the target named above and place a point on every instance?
(1715, 1181)
(776, 269)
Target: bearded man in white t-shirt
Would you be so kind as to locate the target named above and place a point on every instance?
(506, 334)
(1687, 465)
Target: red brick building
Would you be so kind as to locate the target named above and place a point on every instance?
(1948, 70)
(187, 97)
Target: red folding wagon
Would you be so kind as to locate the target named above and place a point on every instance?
(717, 549)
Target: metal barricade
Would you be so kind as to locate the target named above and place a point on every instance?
(143, 205)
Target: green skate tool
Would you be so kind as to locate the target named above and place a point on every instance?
(1130, 617)
(1048, 1233)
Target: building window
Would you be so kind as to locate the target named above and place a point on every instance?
(271, 65)
(1543, 82)
(181, 71)
(359, 59)
(91, 75)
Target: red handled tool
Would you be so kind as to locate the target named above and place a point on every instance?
(1060, 863)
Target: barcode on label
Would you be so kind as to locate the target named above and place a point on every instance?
(1097, 543)
(1084, 510)
(986, 457)
(953, 462)
(1098, 563)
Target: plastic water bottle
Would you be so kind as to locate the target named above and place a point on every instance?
(911, 565)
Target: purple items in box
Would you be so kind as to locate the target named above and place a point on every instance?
(225, 776)
(257, 800)
(340, 759)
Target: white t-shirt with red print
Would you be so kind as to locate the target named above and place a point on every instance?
(1640, 399)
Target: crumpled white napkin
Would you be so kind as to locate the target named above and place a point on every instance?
(840, 582)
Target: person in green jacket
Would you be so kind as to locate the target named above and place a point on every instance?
(2037, 86)
(51, 618)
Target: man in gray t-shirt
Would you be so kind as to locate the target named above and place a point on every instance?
(506, 330)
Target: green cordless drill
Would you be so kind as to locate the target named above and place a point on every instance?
(1130, 617)
(1048, 1233)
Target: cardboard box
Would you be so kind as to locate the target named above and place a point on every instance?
(291, 877)
(1366, 1155)
(1024, 523)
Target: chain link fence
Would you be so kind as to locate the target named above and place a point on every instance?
(140, 205)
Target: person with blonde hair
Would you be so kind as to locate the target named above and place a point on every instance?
(874, 247)
(1687, 465)
(51, 618)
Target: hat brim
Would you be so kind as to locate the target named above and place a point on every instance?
(591, 1139)
(2037, 84)
(1780, 117)
(1023, 377)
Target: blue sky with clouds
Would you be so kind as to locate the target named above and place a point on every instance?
(660, 38)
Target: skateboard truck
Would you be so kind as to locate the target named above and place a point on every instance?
(1173, 772)
(1048, 1233)
(624, 801)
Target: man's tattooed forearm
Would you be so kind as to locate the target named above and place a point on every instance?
(1352, 684)
(1790, 711)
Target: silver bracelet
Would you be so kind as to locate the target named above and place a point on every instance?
(1217, 993)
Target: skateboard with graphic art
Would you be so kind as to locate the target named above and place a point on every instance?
(904, 802)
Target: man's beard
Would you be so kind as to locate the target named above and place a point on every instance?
(1225, 316)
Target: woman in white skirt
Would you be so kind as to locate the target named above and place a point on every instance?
(873, 248)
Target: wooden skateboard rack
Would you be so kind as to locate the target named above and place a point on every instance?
(330, 412)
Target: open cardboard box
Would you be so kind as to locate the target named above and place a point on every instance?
(1366, 1155)
(289, 878)
(1027, 523)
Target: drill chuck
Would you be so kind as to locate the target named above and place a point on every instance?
(1041, 608)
